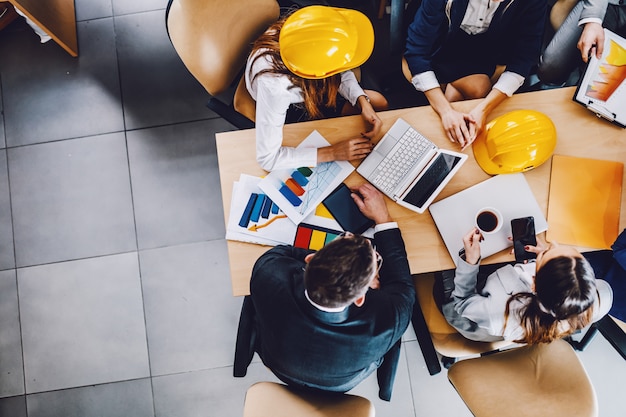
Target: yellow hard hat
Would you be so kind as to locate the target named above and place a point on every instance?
(320, 41)
(515, 142)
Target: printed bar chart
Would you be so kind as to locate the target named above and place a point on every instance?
(259, 207)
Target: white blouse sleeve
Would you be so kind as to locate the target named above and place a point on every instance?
(272, 101)
(350, 88)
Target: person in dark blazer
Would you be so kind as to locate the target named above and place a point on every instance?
(325, 320)
(454, 46)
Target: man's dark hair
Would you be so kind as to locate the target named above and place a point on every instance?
(340, 272)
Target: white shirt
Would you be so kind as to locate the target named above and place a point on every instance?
(508, 83)
(274, 93)
(478, 16)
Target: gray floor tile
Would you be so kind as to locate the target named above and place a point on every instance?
(49, 95)
(157, 88)
(213, 392)
(125, 7)
(99, 321)
(13, 406)
(432, 395)
(7, 253)
(71, 199)
(93, 9)
(191, 315)
(11, 366)
(606, 369)
(175, 181)
(2, 140)
(82, 323)
(122, 399)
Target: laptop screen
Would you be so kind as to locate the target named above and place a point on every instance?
(430, 180)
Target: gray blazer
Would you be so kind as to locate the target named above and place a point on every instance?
(480, 315)
(596, 8)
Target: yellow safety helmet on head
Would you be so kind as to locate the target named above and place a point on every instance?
(320, 41)
(515, 142)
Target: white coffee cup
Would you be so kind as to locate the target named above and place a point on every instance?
(488, 220)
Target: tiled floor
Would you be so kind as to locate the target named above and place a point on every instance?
(115, 297)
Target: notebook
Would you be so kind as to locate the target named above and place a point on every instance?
(409, 168)
(584, 201)
(510, 194)
(602, 88)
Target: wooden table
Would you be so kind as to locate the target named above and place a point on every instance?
(580, 133)
(55, 17)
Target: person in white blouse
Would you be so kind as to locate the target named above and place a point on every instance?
(300, 69)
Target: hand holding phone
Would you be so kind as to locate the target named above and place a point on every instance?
(523, 234)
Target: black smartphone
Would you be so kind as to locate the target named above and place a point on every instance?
(343, 208)
(523, 230)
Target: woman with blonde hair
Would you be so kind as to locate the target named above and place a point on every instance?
(300, 69)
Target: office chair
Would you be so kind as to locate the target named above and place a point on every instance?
(533, 380)
(436, 337)
(213, 39)
(247, 338)
(271, 399)
(608, 265)
(613, 330)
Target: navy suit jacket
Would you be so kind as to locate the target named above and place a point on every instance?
(331, 351)
(515, 33)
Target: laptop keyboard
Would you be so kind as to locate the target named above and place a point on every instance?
(409, 150)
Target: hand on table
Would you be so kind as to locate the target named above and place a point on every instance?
(460, 127)
(371, 202)
(347, 150)
(373, 123)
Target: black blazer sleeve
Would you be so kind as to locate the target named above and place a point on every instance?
(395, 275)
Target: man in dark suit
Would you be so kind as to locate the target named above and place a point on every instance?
(328, 319)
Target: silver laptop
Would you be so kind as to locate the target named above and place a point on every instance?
(409, 168)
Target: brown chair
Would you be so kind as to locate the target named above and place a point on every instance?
(436, 336)
(535, 380)
(271, 399)
(213, 39)
(606, 266)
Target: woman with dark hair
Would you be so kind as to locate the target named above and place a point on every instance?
(535, 302)
(300, 69)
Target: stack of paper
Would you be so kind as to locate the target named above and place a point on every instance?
(267, 210)
(300, 190)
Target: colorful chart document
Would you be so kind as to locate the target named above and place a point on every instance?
(299, 191)
(255, 218)
(603, 86)
(584, 201)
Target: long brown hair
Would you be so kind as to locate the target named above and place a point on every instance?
(565, 290)
(316, 92)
